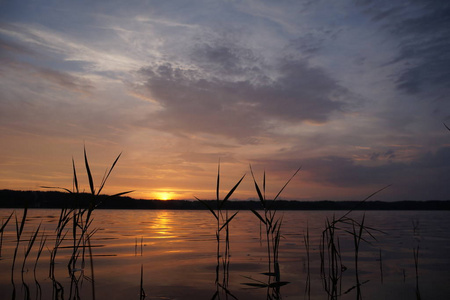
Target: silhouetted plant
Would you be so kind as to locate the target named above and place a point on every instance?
(81, 219)
(330, 251)
(272, 225)
(222, 222)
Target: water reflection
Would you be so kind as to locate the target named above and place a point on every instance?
(161, 223)
(180, 251)
(161, 226)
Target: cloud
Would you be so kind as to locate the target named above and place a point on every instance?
(92, 56)
(429, 174)
(8, 47)
(389, 154)
(66, 80)
(422, 29)
(425, 177)
(38, 75)
(228, 93)
(226, 60)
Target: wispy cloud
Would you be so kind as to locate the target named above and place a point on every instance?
(422, 29)
(68, 48)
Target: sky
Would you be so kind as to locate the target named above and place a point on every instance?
(356, 93)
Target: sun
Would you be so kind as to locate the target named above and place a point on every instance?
(163, 196)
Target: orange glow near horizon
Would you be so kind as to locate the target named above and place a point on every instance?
(163, 196)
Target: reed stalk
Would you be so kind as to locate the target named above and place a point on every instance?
(38, 255)
(381, 267)
(19, 231)
(272, 225)
(331, 276)
(29, 247)
(222, 222)
(416, 266)
(142, 294)
(2, 230)
(308, 274)
(80, 217)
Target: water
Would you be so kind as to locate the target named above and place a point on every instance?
(177, 251)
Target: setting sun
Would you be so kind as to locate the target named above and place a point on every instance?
(163, 196)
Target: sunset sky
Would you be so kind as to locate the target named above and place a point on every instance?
(354, 92)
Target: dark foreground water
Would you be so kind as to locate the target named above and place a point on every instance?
(177, 251)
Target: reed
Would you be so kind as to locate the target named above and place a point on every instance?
(330, 249)
(448, 128)
(308, 274)
(381, 267)
(415, 224)
(331, 262)
(19, 231)
(4, 223)
(80, 218)
(222, 222)
(357, 237)
(38, 255)
(29, 247)
(142, 294)
(416, 267)
(272, 224)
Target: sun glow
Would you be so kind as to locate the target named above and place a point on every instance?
(163, 196)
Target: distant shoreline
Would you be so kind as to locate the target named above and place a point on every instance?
(56, 199)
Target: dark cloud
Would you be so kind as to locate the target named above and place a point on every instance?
(427, 176)
(345, 172)
(226, 59)
(308, 44)
(202, 100)
(193, 104)
(389, 155)
(422, 29)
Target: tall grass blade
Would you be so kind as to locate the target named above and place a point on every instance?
(228, 293)
(367, 198)
(120, 194)
(208, 207)
(91, 260)
(31, 241)
(259, 216)
(416, 265)
(56, 187)
(38, 286)
(218, 182)
(109, 173)
(142, 292)
(75, 180)
(1, 231)
(22, 223)
(231, 191)
(381, 268)
(6, 222)
(282, 189)
(446, 126)
(264, 184)
(228, 221)
(258, 191)
(89, 174)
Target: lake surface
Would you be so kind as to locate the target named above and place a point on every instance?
(177, 251)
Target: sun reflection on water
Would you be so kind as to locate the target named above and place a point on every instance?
(163, 225)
